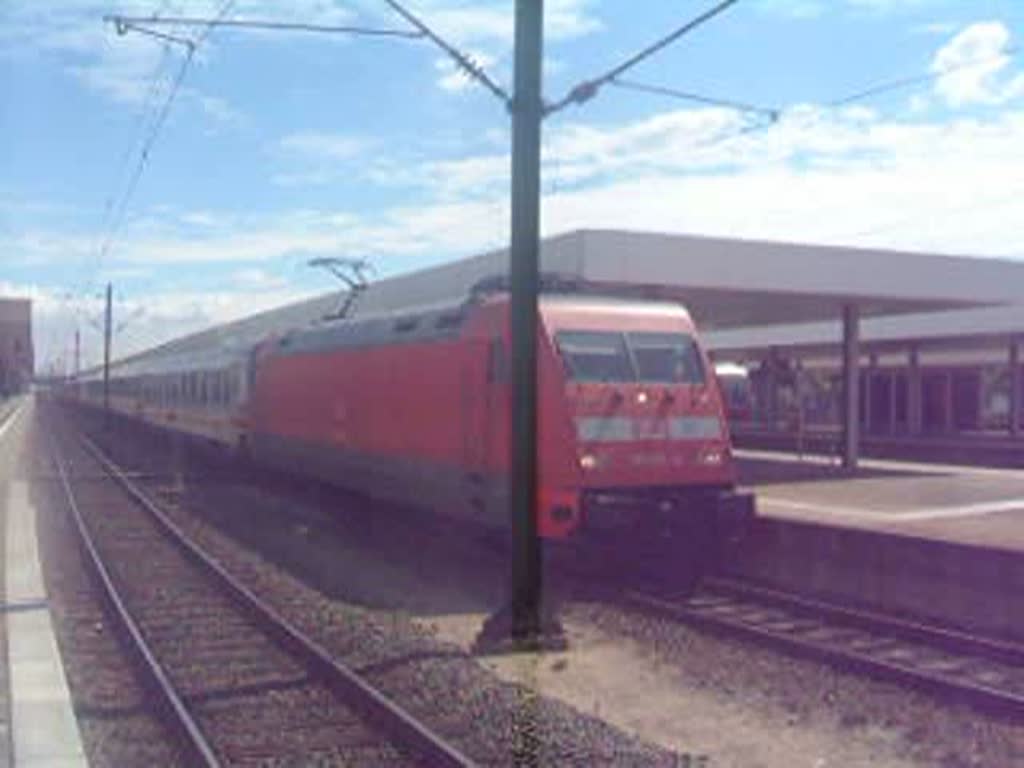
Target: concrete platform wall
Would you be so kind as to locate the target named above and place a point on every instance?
(973, 588)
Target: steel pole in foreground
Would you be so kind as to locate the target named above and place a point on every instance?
(521, 622)
(524, 255)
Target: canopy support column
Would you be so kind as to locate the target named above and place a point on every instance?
(851, 399)
(1016, 406)
(914, 391)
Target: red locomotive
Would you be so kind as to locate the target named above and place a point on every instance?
(413, 406)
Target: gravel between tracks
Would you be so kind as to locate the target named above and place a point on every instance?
(788, 706)
(490, 720)
(114, 711)
(255, 703)
(695, 693)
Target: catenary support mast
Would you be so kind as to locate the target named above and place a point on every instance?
(527, 112)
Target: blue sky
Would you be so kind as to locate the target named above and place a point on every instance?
(280, 147)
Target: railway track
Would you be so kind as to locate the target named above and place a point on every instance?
(236, 682)
(981, 671)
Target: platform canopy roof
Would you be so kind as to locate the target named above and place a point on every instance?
(726, 283)
(729, 283)
(974, 328)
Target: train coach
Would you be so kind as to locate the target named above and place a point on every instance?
(413, 406)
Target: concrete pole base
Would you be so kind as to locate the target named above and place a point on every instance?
(513, 629)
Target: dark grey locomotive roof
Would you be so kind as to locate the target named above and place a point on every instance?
(437, 322)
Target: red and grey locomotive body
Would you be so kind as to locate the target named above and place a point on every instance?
(413, 406)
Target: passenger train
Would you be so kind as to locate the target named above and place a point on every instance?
(413, 406)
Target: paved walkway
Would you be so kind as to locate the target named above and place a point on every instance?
(974, 505)
(44, 731)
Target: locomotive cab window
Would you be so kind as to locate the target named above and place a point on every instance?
(666, 358)
(669, 358)
(595, 355)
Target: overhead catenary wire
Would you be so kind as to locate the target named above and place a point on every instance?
(144, 155)
(155, 128)
(587, 89)
(84, 281)
(123, 26)
(903, 83)
(117, 213)
(462, 60)
(771, 113)
(777, 114)
(143, 23)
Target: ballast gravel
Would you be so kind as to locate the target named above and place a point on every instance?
(115, 714)
(402, 602)
(492, 721)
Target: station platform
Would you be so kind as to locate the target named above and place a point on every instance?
(935, 542)
(966, 448)
(41, 726)
(972, 505)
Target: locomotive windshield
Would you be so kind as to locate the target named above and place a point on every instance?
(666, 358)
(670, 358)
(595, 355)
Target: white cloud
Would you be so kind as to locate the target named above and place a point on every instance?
(848, 176)
(807, 9)
(972, 67)
(324, 146)
(887, 5)
(323, 158)
(491, 22)
(936, 28)
(130, 69)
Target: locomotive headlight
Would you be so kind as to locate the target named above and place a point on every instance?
(641, 397)
(588, 461)
(711, 457)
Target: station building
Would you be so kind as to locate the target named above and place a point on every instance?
(927, 375)
(16, 353)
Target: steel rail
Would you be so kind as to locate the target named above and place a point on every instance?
(189, 732)
(875, 655)
(388, 716)
(918, 631)
(8, 419)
